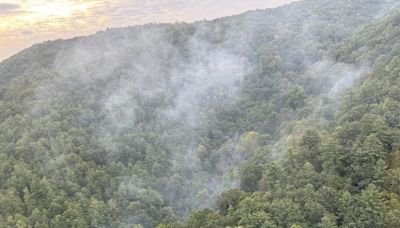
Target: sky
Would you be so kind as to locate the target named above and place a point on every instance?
(25, 22)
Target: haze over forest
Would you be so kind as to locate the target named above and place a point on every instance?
(283, 117)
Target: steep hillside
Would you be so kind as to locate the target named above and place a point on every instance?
(345, 174)
(143, 125)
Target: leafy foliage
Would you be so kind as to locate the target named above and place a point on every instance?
(141, 126)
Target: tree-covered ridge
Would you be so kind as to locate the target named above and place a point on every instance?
(344, 175)
(142, 125)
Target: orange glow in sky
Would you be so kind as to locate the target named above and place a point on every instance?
(25, 22)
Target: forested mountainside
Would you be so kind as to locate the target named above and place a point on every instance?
(285, 117)
(345, 173)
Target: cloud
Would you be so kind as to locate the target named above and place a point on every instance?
(27, 32)
(8, 7)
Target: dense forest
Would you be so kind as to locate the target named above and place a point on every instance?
(286, 117)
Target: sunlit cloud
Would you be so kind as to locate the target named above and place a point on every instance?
(27, 32)
(25, 22)
(8, 7)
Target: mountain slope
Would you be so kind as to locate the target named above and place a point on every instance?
(142, 125)
(343, 175)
